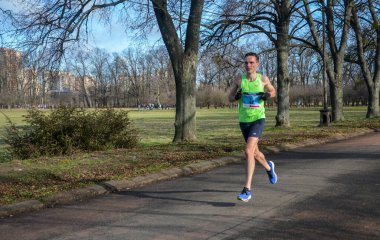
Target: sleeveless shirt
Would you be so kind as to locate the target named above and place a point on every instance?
(251, 107)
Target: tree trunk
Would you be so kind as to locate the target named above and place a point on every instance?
(337, 57)
(85, 92)
(283, 80)
(185, 121)
(184, 62)
(373, 102)
(282, 117)
(335, 77)
(336, 96)
(372, 81)
(87, 98)
(334, 61)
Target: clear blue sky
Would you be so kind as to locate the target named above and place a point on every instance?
(112, 37)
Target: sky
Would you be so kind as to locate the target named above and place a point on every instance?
(112, 37)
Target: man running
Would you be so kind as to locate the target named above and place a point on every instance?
(251, 90)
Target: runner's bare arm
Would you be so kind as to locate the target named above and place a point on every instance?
(268, 87)
(234, 88)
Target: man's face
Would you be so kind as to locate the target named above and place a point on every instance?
(251, 64)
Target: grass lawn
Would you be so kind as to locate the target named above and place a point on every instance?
(218, 135)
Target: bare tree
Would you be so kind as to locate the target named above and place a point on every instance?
(131, 68)
(219, 67)
(303, 62)
(273, 18)
(338, 15)
(51, 25)
(365, 23)
(10, 76)
(101, 72)
(164, 76)
(184, 61)
(30, 76)
(161, 82)
(6, 19)
(79, 63)
(117, 75)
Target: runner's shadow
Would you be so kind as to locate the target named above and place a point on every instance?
(163, 196)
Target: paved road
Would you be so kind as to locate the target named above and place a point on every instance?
(324, 192)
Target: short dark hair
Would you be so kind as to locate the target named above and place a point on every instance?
(253, 55)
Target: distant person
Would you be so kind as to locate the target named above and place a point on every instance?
(251, 90)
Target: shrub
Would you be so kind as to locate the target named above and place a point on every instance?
(66, 130)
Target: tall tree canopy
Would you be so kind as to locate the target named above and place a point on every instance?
(50, 26)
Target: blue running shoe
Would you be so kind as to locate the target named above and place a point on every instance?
(245, 195)
(272, 174)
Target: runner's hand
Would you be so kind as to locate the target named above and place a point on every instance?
(238, 94)
(264, 95)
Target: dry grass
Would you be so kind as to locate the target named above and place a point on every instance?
(218, 135)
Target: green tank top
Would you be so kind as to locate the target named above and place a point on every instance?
(251, 107)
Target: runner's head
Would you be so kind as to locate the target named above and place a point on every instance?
(253, 55)
(251, 62)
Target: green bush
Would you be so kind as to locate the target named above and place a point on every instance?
(66, 130)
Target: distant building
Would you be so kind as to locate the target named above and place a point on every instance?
(61, 82)
(86, 82)
(10, 70)
(24, 87)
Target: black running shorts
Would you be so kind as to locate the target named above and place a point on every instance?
(252, 129)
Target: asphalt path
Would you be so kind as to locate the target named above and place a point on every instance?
(330, 191)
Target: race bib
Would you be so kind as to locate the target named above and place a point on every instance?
(251, 100)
